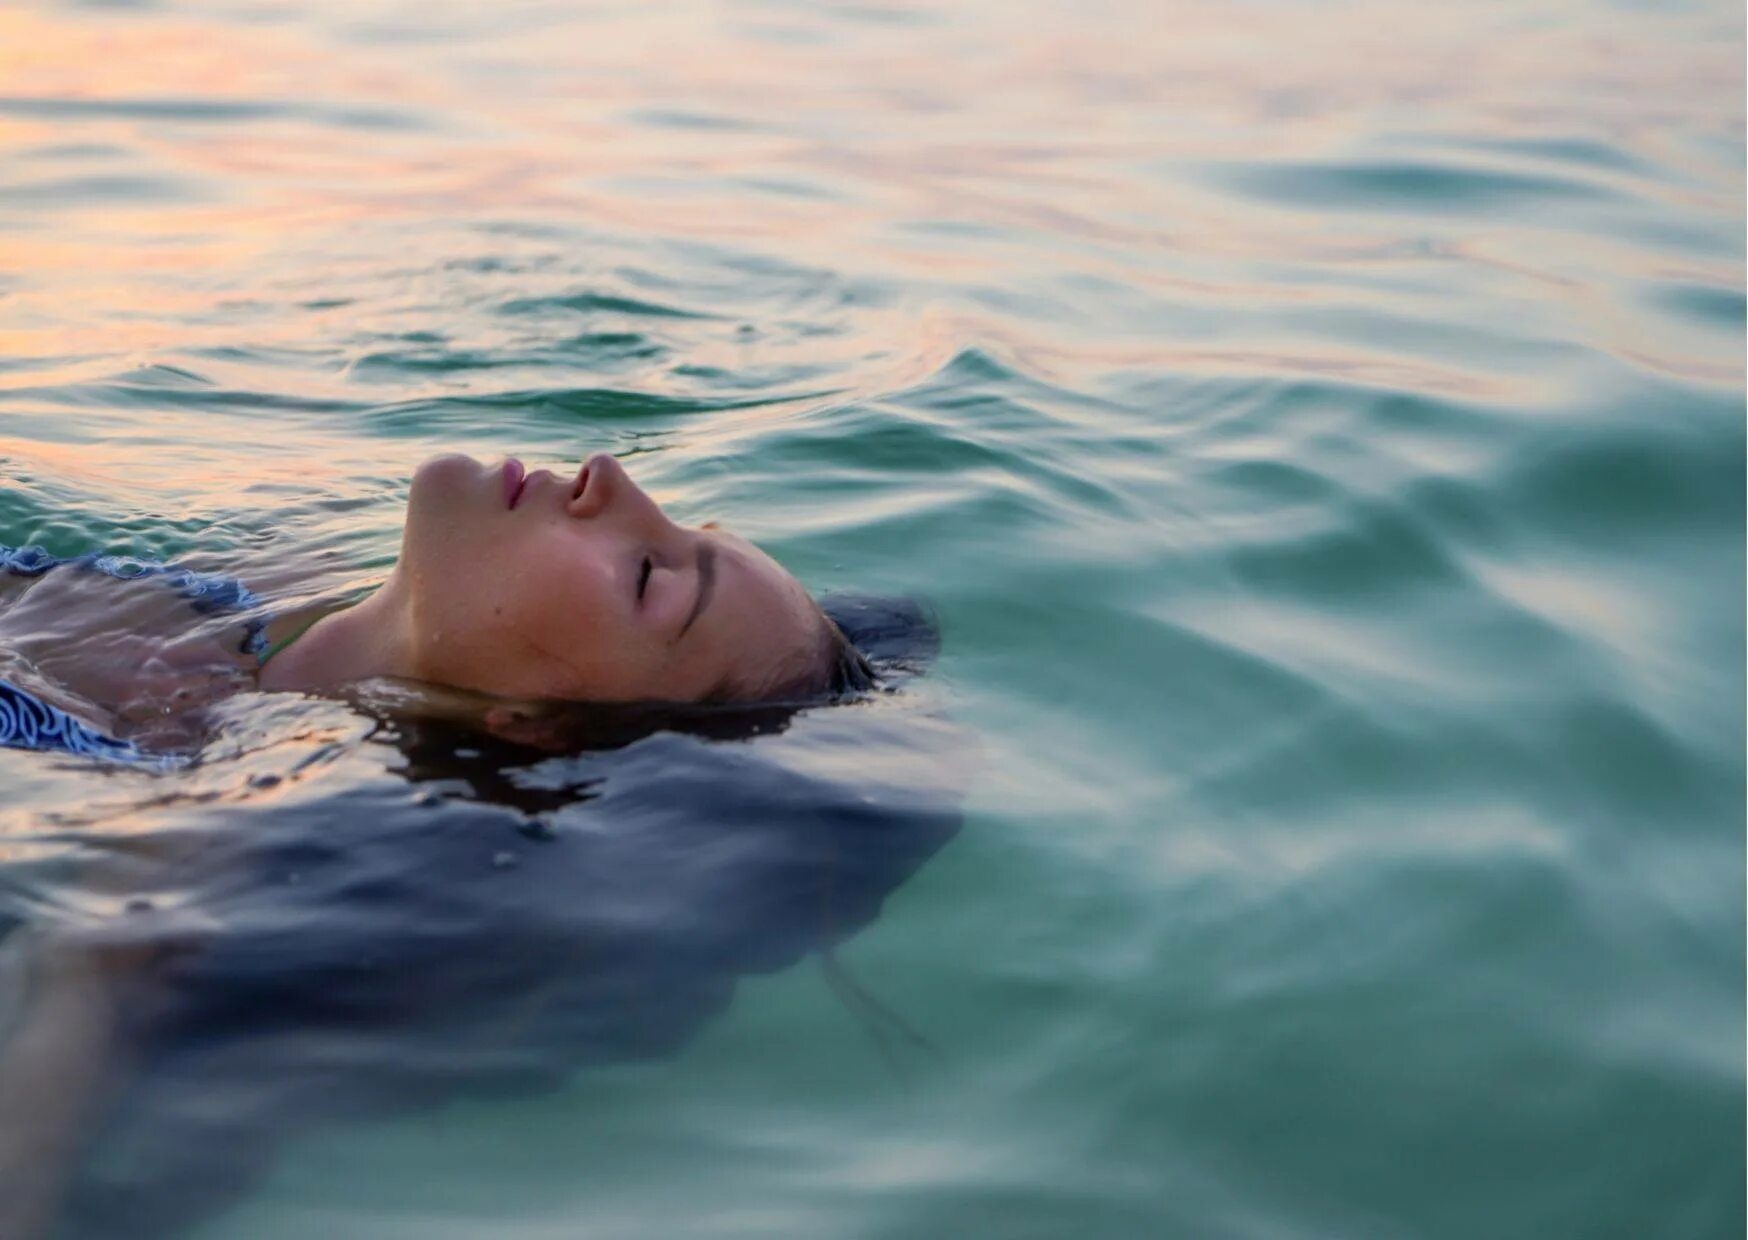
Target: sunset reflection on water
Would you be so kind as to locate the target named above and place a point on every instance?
(181, 180)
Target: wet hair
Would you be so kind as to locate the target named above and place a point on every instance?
(868, 643)
(846, 669)
(900, 634)
(893, 637)
(851, 671)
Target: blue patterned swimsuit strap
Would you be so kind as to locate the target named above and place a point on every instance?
(28, 722)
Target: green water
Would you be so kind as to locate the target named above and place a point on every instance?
(1319, 426)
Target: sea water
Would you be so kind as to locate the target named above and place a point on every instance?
(1318, 427)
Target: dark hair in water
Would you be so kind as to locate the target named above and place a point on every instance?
(872, 640)
(847, 669)
(839, 668)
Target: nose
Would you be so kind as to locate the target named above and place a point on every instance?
(604, 490)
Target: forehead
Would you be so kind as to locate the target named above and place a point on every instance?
(752, 582)
(759, 611)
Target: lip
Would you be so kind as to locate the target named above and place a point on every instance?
(515, 478)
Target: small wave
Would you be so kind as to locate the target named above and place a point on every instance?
(1420, 188)
(208, 111)
(599, 303)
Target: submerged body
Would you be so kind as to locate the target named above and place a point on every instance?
(519, 590)
(469, 916)
(108, 656)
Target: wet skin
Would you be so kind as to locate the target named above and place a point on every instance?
(581, 587)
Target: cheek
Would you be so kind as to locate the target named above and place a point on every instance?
(444, 554)
(558, 597)
(530, 615)
(478, 594)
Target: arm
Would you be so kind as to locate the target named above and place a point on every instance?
(52, 1075)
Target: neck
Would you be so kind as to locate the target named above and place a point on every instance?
(365, 640)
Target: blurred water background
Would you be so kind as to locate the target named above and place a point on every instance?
(1319, 426)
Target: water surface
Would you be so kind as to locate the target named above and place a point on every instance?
(1319, 427)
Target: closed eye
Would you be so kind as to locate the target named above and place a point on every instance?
(643, 577)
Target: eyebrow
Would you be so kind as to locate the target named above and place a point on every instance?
(706, 583)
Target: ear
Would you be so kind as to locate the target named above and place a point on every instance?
(521, 726)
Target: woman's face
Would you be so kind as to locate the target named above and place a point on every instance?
(580, 587)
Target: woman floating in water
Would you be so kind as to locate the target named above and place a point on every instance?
(518, 585)
(425, 959)
(529, 585)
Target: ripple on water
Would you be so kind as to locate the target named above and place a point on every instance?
(598, 351)
(1706, 305)
(209, 111)
(1323, 447)
(1421, 188)
(580, 410)
(600, 303)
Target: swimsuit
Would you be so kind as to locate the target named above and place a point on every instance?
(28, 722)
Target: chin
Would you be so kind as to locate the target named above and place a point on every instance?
(451, 465)
(443, 477)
